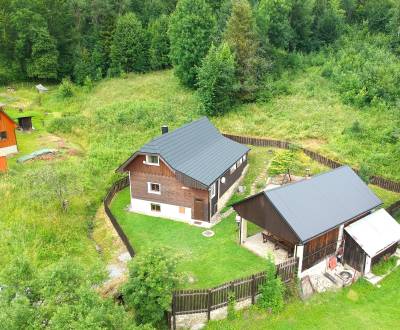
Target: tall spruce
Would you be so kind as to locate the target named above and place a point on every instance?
(191, 30)
(216, 80)
(301, 19)
(128, 46)
(241, 36)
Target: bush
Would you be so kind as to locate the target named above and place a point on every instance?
(272, 290)
(152, 279)
(365, 173)
(231, 306)
(282, 162)
(385, 265)
(364, 71)
(66, 88)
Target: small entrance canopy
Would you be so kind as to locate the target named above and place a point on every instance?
(375, 232)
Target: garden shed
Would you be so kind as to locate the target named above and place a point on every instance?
(25, 123)
(370, 239)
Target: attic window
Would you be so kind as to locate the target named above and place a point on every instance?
(154, 188)
(3, 136)
(152, 160)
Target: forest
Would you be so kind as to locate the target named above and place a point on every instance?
(321, 73)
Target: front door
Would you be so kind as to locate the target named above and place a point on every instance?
(198, 212)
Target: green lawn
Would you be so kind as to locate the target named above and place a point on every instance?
(210, 261)
(362, 306)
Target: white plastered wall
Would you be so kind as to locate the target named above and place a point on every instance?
(6, 151)
(167, 210)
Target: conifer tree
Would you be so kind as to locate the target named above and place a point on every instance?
(241, 37)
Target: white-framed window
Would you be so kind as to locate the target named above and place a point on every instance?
(239, 162)
(233, 168)
(155, 207)
(152, 160)
(244, 158)
(212, 190)
(153, 188)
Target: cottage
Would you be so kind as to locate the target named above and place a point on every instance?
(188, 174)
(318, 218)
(8, 140)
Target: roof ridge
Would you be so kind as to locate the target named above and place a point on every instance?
(178, 129)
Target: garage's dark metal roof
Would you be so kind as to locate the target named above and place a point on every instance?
(197, 150)
(312, 207)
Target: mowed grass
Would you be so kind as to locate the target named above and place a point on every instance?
(361, 306)
(209, 261)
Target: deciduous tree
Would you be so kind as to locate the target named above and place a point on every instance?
(191, 31)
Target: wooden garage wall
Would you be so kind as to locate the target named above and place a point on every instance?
(319, 248)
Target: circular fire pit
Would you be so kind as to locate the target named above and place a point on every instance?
(208, 233)
(346, 276)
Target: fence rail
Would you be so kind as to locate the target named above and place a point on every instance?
(262, 142)
(116, 187)
(207, 300)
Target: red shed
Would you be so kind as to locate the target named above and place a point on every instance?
(8, 140)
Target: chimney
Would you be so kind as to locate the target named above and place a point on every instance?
(164, 129)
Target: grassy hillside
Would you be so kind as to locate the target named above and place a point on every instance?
(97, 130)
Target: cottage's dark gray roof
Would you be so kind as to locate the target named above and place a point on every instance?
(312, 207)
(197, 150)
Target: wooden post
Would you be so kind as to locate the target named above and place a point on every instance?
(253, 289)
(209, 302)
(173, 311)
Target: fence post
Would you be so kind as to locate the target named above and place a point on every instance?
(253, 289)
(174, 310)
(209, 302)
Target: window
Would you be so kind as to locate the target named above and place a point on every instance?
(244, 158)
(181, 210)
(152, 160)
(155, 207)
(212, 191)
(233, 168)
(239, 162)
(154, 188)
(3, 136)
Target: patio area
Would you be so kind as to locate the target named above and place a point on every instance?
(256, 245)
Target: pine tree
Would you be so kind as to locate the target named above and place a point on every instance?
(216, 80)
(128, 45)
(241, 37)
(191, 29)
(159, 43)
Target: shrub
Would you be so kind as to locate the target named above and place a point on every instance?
(152, 279)
(216, 80)
(385, 265)
(272, 290)
(66, 88)
(231, 306)
(365, 173)
(282, 162)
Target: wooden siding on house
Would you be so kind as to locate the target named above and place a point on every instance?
(172, 190)
(8, 126)
(230, 179)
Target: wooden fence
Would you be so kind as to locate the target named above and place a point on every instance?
(262, 142)
(207, 300)
(116, 187)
